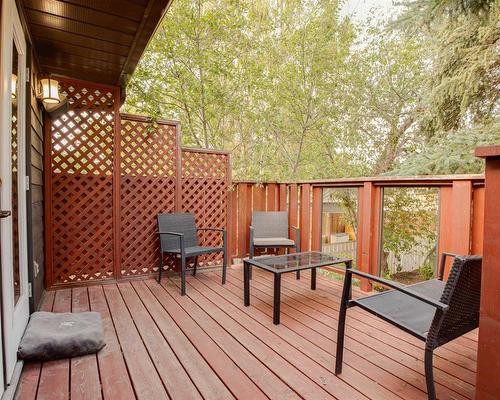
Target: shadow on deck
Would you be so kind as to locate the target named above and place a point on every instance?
(208, 345)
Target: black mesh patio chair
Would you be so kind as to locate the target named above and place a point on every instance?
(434, 311)
(179, 236)
(270, 230)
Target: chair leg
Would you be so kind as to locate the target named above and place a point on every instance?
(251, 251)
(341, 327)
(340, 340)
(429, 375)
(161, 267)
(183, 276)
(224, 267)
(195, 265)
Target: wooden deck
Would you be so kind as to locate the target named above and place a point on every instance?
(208, 345)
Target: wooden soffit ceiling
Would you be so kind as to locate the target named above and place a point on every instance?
(96, 40)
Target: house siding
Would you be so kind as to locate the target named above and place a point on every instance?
(35, 169)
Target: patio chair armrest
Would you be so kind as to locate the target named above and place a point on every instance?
(211, 229)
(442, 263)
(170, 233)
(403, 289)
(222, 230)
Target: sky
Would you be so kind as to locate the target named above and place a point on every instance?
(359, 10)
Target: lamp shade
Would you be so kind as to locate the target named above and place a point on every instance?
(50, 91)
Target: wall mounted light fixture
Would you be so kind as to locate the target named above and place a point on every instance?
(49, 91)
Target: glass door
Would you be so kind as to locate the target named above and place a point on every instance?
(15, 304)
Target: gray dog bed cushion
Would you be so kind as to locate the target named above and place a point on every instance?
(50, 336)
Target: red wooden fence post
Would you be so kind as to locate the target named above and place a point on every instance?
(244, 198)
(477, 220)
(368, 231)
(117, 186)
(305, 217)
(488, 362)
(232, 228)
(316, 219)
(293, 209)
(455, 225)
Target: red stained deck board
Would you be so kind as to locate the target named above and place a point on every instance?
(208, 345)
(242, 326)
(54, 377)
(208, 383)
(115, 380)
(171, 372)
(246, 350)
(412, 364)
(324, 336)
(30, 377)
(85, 383)
(235, 379)
(147, 384)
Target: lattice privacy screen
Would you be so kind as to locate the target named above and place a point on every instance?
(204, 192)
(105, 187)
(82, 185)
(148, 187)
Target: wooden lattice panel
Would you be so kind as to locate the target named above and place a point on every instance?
(81, 163)
(205, 184)
(148, 149)
(82, 227)
(81, 96)
(97, 212)
(148, 187)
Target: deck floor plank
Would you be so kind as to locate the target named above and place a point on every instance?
(220, 309)
(357, 361)
(145, 378)
(240, 385)
(376, 339)
(54, 377)
(173, 375)
(301, 315)
(350, 376)
(31, 373)
(208, 345)
(115, 379)
(85, 382)
(450, 385)
(276, 378)
(206, 380)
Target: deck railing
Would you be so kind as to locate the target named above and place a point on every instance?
(460, 212)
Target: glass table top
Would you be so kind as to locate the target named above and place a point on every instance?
(296, 261)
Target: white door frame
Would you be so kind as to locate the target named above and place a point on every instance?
(14, 316)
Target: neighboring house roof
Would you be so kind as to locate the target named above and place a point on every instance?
(96, 40)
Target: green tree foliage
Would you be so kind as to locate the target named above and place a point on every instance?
(461, 102)
(296, 92)
(409, 223)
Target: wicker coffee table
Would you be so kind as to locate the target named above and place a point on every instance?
(288, 263)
